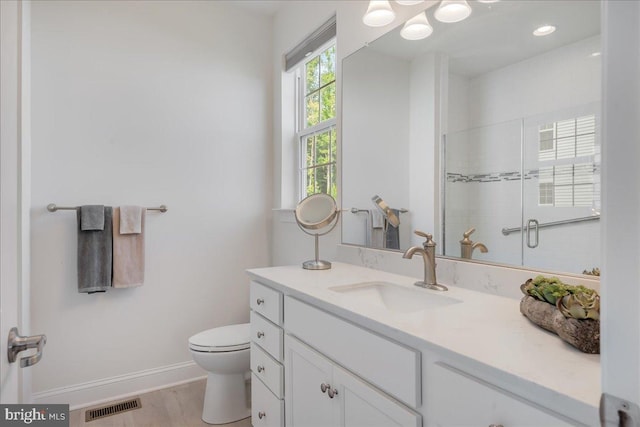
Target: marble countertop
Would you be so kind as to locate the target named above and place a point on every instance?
(485, 330)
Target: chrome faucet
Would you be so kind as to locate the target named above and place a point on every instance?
(467, 246)
(428, 252)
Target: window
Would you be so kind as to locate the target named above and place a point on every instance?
(317, 123)
(568, 174)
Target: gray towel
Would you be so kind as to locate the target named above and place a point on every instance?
(393, 233)
(95, 254)
(92, 217)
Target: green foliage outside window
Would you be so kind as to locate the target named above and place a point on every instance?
(319, 161)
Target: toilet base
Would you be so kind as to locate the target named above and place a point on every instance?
(225, 399)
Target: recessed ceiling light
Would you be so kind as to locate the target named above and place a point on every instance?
(544, 30)
(409, 2)
(487, 1)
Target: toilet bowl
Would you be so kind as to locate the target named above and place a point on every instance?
(224, 353)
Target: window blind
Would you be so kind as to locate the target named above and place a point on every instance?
(322, 35)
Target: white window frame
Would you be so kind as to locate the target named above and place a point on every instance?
(301, 132)
(576, 160)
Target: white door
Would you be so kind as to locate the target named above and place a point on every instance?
(620, 316)
(14, 115)
(308, 383)
(364, 406)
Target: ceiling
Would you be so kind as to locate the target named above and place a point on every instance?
(264, 7)
(499, 34)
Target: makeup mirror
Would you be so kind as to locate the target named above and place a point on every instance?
(313, 213)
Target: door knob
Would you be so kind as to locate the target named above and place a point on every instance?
(332, 392)
(17, 343)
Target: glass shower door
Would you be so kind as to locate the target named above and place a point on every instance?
(482, 190)
(561, 191)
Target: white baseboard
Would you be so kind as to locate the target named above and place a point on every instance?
(122, 386)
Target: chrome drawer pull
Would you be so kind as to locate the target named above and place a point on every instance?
(260, 301)
(324, 387)
(260, 368)
(332, 392)
(260, 334)
(261, 415)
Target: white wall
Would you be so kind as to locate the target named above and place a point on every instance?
(557, 80)
(621, 204)
(428, 74)
(145, 102)
(378, 135)
(291, 25)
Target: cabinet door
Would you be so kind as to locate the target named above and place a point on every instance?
(361, 405)
(306, 405)
(455, 398)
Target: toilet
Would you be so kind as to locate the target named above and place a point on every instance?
(224, 353)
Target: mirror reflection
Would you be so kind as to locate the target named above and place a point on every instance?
(483, 133)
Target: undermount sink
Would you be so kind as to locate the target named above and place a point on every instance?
(394, 297)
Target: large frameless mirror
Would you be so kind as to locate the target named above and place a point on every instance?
(483, 133)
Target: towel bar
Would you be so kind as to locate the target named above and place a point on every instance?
(52, 207)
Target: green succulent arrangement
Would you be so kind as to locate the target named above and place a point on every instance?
(577, 302)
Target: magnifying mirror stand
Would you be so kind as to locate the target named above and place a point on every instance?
(317, 263)
(312, 213)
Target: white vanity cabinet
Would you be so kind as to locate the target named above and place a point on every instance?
(338, 374)
(319, 360)
(267, 378)
(457, 398)
(321, 393)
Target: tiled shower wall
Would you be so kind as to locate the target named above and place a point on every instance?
(484, 157)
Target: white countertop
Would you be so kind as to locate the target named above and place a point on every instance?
(484, 329)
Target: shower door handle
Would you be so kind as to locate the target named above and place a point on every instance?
(532, 224)
(17, 343)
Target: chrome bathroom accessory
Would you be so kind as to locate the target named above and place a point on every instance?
(507, 231)
(17, 343)
(467, 246)
(52, 207)
(312, 213)
(428, 252)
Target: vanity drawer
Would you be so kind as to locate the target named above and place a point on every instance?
(267, 335)
(266, 301)
(390, 366)
(266, 409)
(268, 370)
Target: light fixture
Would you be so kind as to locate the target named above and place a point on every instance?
(487, 1)
(417, 28)
(452, 11)
(379, 13)
(409, 2)
(544, 30)
(595, 54)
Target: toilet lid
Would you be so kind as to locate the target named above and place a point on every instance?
(224, 338)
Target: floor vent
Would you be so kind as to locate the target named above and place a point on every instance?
(116, 408)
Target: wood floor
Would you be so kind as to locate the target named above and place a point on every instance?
(179, 406)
